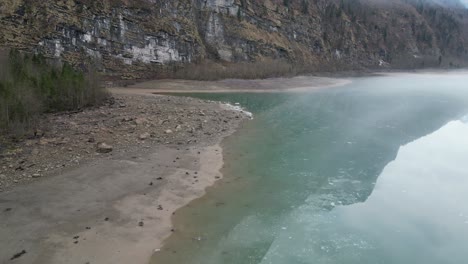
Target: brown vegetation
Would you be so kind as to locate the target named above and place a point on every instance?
(209, 71)
(31, 85)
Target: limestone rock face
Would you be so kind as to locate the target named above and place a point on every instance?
(131, 38)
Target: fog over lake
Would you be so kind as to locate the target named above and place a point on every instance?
(372, 172)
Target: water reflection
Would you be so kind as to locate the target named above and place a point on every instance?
(417, 212)
(296, 173)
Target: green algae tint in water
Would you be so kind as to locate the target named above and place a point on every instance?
(374, 172)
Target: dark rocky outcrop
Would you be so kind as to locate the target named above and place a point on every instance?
(132, 38)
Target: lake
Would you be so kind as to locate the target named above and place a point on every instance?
(372, 172)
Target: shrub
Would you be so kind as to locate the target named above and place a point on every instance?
(31, 85)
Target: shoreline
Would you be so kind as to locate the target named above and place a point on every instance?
(272, 85)
(334, 79)
(297, 84)
(117, 208)
(131, 243)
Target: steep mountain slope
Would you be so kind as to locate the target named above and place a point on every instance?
(142, 36)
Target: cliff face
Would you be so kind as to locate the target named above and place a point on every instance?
(132, 37)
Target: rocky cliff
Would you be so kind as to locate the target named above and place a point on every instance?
(130, 38)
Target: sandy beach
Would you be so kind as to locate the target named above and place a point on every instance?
(64, 199)
(114, 207)
(272, 85)
(112, 211)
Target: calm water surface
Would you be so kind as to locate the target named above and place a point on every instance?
(373, 172)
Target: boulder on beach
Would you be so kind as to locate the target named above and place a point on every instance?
(144, 136)
(103, 148)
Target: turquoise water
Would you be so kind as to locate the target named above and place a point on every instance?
(372, 172)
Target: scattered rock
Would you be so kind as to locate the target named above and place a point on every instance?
(62, 140)
(18, 255)
(151, 183)
(7, 209)
(106, 219)
(43, 142)
(104, 148)
(144, 136)
(35, 152)
(141, 224)
(141, 121)
(160, 207)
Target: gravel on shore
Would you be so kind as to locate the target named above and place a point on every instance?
(101, 185)
(126, 123)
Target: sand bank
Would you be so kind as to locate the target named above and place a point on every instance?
(117, 207)
(273, 85)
